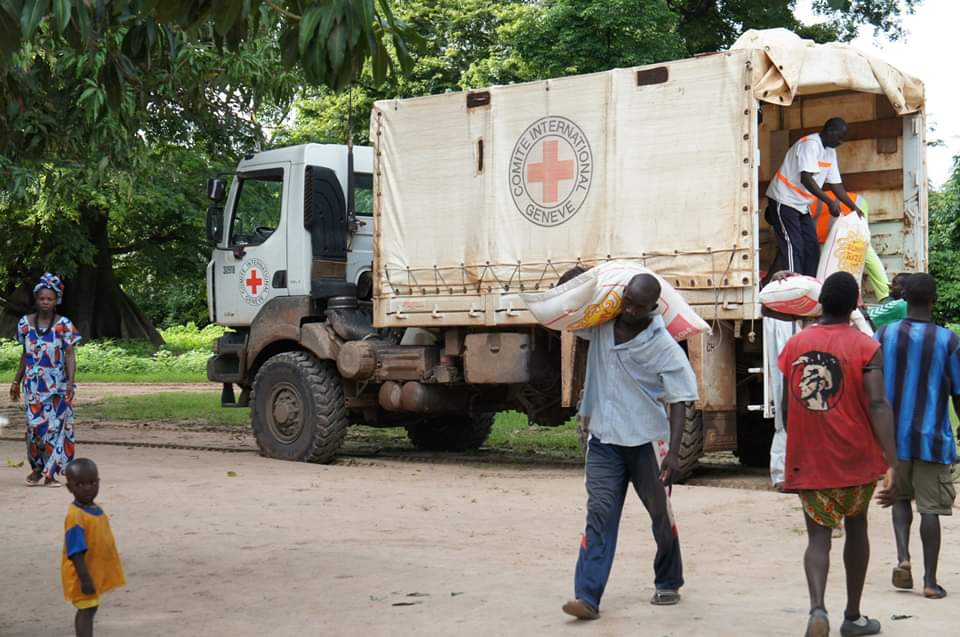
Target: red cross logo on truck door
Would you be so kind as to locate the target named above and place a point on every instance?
(551, 171)
(254, 286)
(253, 281)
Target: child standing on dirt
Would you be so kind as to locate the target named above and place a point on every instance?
(840, 443)
(90, 565)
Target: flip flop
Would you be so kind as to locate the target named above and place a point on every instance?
(903, 577)
(818, 625)
(934, 593)
(32, 483)
(53, 484)
(665, 597)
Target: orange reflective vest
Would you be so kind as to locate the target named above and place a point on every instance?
(820, 213)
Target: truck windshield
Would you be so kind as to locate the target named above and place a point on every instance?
(363, 194)
(257, 207)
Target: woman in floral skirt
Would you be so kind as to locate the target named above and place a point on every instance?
(46, 376)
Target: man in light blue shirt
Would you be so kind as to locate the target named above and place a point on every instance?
(636, 375)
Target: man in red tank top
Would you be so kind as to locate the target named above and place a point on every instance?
(840, 442)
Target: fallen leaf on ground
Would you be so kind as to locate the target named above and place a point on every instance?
(14, 465)
(231, 474)
(895, 617)
(405, 603)
(418, 594)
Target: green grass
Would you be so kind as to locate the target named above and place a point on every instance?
(510, 431)
(182, 359)
(201, 408)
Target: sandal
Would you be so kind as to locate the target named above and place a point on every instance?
(665, 597)
(33, 479)
(818, 625)
(937, 592)
(859, 627)
(52, 483)
(902, 576)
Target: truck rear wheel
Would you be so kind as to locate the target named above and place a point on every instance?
(298, 408)
(451, 433)
(754, 437)
(691, 444)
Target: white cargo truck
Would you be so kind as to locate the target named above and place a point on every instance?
(468, 199)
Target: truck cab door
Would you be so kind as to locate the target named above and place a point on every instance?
(250, 264)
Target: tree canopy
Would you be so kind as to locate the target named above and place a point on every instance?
(114, 112)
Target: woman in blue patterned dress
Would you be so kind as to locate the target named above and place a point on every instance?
(46, 375)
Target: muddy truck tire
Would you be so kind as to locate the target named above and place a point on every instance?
(451, 433)
(691, 444)
(298, 408)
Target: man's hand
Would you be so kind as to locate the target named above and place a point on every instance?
(15, 391)
(834, 207)
(782, 274)
(71, 392)
(669, 469)
(885, 494)
(87, 587)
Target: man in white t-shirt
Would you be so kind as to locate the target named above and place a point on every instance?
(810, 166)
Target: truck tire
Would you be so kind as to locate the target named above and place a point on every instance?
(298, 408)
(691, 444)
(451, 433)
(754, 437)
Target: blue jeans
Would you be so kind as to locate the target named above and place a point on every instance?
(610, 468)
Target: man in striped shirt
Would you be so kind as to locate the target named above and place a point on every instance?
(809, 166)
(921, 364)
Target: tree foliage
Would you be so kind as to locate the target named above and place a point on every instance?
(112, 114)
(944, 241)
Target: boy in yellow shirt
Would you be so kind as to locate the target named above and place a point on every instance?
(90, 565)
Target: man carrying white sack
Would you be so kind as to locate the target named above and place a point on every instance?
(636, 375)
(809, 166)
(777, 330)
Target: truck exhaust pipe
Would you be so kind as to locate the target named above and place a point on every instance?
(418, 398)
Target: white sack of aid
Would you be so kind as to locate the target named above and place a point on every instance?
(596, 296)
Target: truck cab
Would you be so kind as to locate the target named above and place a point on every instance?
(285, 229)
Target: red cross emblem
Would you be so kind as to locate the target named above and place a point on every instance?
(551, 171)
(253, 282)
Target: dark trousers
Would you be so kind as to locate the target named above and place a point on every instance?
(796, 237)
(609, 470)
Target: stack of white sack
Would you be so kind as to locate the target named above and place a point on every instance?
(596, 296)
(844, 251)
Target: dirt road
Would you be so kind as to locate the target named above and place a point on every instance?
(400, 548)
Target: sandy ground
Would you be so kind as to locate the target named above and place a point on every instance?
(399, 548)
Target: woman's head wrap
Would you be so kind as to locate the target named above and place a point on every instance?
(50, 282)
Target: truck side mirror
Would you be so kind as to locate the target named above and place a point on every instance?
(216, 189)
(214, 224)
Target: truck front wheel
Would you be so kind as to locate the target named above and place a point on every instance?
(451, 433)
(298, 408)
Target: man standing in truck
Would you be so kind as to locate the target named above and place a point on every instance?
(809, 166)
(636, 375)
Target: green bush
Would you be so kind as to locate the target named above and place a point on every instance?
(182, 359)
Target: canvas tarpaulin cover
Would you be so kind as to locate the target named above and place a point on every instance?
(486, 199)
(791, 66)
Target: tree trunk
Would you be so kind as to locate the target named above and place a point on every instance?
(93, 299)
